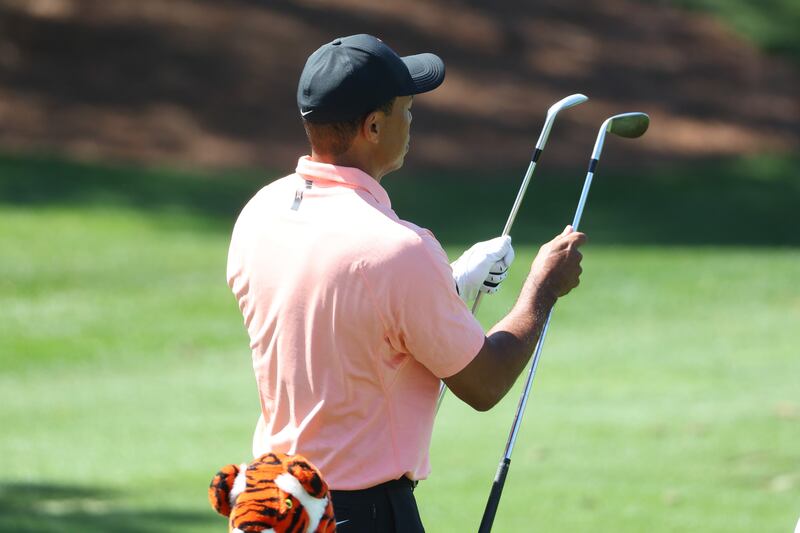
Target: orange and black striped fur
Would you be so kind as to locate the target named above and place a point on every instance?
(276, 493)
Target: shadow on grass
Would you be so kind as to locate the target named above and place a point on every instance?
(730, 202)
(37, 507)
(45, 180)
(751, 202)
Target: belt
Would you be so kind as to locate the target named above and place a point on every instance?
(401, 483)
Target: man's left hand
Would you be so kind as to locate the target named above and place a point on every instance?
(483, 267)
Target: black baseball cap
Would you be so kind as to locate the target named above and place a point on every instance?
(351, 76)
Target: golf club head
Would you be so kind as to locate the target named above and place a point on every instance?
(564, 103)
(629, 125)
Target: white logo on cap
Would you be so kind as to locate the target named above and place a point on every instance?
(304, 113)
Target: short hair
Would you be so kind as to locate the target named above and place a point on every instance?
(335, 138)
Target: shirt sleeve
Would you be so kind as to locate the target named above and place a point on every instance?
(424, 316)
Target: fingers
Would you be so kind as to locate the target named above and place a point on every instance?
(572, 270)
(498, 248)
(489, 290)
(576, 238)
(497, 274)
(503, 264)
(509, 257)
(495, 279)
(504, 253)
(557, 266)
(492, 283)
(568, 239)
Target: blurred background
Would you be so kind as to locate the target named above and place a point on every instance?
(133, 131)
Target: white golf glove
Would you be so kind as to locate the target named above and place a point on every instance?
(483, 267)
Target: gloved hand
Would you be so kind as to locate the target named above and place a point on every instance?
(483, 267)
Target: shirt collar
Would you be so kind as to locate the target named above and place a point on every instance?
(354, 178)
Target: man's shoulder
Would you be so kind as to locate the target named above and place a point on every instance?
(276, 187)
(270, 192)
(418, 232)
(405, 241)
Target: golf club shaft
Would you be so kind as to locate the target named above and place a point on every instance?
(523, 400)
(505, 463)
(587, 183)
(629, 125)
(513, 215)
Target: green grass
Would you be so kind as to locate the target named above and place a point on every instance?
(666, 399)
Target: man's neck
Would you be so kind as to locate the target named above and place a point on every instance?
(348, 159)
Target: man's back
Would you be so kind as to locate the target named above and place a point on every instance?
(353, 317)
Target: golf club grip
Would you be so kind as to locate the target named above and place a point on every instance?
(494, 496)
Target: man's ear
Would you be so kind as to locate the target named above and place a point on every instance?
(372, 127)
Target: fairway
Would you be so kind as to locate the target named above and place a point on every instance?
(666, 400)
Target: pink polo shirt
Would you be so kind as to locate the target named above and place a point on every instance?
(353, 317)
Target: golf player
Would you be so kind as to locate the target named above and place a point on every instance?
(354, 315)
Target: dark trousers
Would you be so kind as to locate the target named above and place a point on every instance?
(386, 508)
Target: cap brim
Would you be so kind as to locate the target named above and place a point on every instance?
(427, 72)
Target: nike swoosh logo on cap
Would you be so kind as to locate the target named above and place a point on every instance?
(304, 113)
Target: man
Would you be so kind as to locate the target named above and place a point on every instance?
(354, 315)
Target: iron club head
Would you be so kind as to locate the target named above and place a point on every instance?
(630, 125)
(564, 103)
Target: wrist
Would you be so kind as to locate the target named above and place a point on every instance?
(527, 318)
(539, 296)
(545, 295)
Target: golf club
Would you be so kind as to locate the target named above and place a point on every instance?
(564, 103)
(629, 125)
